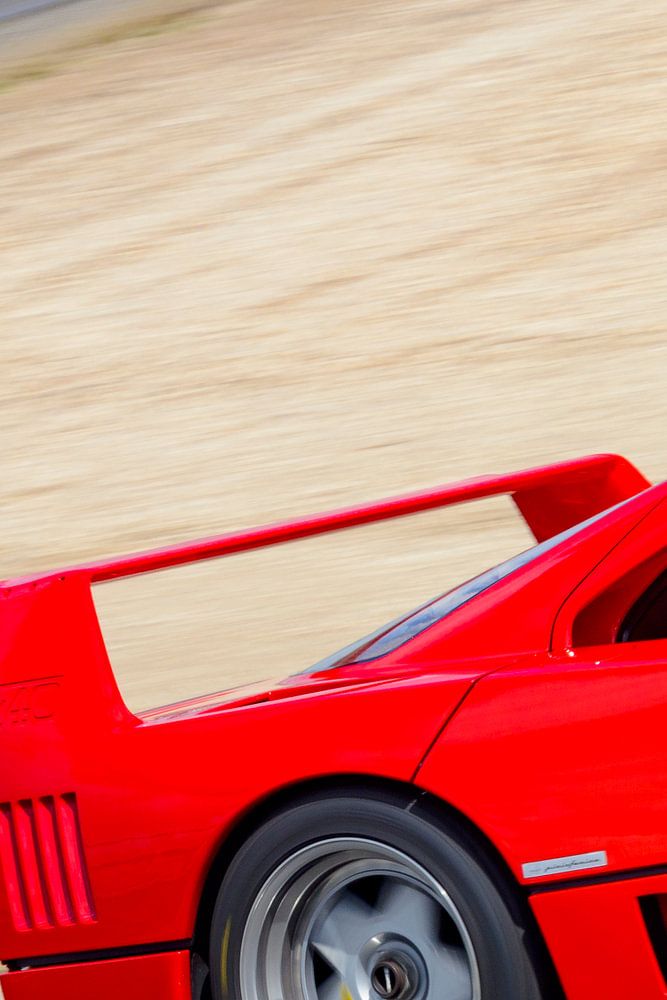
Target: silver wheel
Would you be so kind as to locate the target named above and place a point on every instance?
(354, 919)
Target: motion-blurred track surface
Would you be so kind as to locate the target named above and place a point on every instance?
(283, 257)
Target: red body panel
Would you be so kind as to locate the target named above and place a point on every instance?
(564, 754)
(566, 769)
(599, 943)
(155, 797)
(146, 977)
(109, 822)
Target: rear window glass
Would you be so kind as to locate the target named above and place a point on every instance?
(394, 634)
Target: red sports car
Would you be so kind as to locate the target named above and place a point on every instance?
(468, 804)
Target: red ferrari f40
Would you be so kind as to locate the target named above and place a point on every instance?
(468, 804)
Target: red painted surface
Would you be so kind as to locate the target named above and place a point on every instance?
(574, 765)
(599, 943)
(109, 822)
(551, 499)
(155, 796)
(150, 977)
(563, 751)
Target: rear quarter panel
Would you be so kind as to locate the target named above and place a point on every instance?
(155, 798)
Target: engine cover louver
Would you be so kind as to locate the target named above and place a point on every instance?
(43, 863)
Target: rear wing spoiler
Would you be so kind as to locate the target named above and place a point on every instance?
(551, 498)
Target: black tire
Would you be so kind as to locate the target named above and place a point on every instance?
(505, 971)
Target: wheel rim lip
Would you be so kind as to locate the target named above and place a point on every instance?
(293, 871)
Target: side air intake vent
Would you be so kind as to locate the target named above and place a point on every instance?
(43, 863)
(654, 911)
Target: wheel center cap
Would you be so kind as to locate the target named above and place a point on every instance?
(391, 980)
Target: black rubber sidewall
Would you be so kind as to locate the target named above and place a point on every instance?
(505, 970)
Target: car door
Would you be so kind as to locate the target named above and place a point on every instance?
(564, 754)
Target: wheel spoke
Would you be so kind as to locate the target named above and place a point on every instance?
(331, 989)
(340, 934)
(335, 988)
(452, 973)
(405, 907)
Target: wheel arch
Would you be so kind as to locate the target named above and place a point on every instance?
(406, 796)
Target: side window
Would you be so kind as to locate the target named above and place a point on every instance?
(647, 618)
(624, 598)
(632, 608)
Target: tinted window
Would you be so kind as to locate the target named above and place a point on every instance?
(390, 636)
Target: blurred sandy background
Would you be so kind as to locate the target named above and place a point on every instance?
(266, 259)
